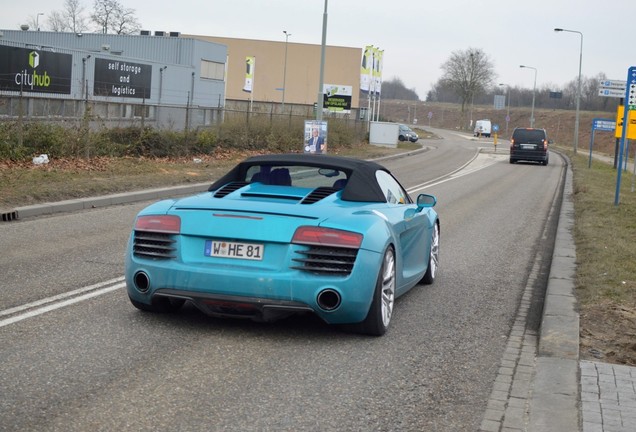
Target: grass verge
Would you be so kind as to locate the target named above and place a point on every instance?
(22, 183)
(605, 236)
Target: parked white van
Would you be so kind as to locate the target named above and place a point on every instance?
(482, 128)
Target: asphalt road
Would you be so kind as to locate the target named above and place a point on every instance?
(76, 356)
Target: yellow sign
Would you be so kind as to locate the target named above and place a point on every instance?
(631, 121)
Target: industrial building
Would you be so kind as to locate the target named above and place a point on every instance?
(165, 79)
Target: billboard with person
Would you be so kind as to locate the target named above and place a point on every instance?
(315, 136)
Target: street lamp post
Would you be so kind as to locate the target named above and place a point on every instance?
(472, 87)
(578, 88)
(37, 21)
(320, 102)
(287, 35)
(508, 102)
(534, 89)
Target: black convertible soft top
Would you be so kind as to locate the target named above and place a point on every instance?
(361, 184)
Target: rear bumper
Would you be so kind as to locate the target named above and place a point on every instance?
(239, 291)
(536, 156)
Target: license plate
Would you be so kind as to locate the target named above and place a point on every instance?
(226, 249)
(528, 146)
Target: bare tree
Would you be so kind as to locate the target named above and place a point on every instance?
(57, 22)
(76, 19)
(70, 19)
(125, 22)
(441, 92)
(468, 72)
(33, 21)
(103, 13)
(112, 16)
(395, 89)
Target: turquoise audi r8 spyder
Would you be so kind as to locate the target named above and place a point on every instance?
(283, 234)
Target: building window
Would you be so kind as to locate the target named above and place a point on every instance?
(212, 70)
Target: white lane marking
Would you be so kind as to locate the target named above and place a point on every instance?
(60, 296)
(484, 164)
(57, 302)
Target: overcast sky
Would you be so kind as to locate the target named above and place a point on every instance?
(417, 36)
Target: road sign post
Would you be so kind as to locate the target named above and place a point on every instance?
(630, 105)
(599, 124)
(612, 88)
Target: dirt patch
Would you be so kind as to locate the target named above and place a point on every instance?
(608, 333)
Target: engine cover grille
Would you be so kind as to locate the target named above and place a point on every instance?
(326, 260)
(153, 245)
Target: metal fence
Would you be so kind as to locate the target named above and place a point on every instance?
(100, 114)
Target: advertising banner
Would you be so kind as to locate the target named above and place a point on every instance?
(115, 78)
(365, 68)
(250, 64)
(315, 136)
(337, 98)
(35, 71)
(377, 71)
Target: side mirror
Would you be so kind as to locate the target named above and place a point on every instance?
(426, 200)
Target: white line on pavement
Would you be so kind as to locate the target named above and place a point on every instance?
(57, 302)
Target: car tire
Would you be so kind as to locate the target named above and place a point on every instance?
(512, 160)
(433, 259)
(377, 321)
(401, 138)
(159, 304)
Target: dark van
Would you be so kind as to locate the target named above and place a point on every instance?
(529, 144)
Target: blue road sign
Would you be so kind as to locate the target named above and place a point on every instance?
(600, 124)
(495, 128)
(630, 104)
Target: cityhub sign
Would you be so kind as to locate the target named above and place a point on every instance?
(33, 80)
(35, 71)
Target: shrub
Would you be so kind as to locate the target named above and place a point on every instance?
(262, 133)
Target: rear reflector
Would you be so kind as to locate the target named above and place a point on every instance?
(327, 237)
(159, 223)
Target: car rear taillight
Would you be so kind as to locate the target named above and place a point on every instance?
(327, 237)
(545, 145)
(159, 223)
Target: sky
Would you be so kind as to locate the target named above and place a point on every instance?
(417, 36)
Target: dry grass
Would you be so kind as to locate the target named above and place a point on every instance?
(24, 183)
(606, 261)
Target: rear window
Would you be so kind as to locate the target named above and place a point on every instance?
(296, 175)
(532, 136)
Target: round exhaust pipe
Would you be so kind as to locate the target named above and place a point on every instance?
(328, 299)
(141, 281)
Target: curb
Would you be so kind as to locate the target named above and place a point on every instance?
(101, 201)
(554, 405)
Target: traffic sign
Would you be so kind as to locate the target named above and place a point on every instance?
(613, 84)
(500, 102)
(607, 92)
(630, 108)
(631, 123)
(630, 93)
(603, 125)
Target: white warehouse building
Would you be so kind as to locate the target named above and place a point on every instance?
(165, 81)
